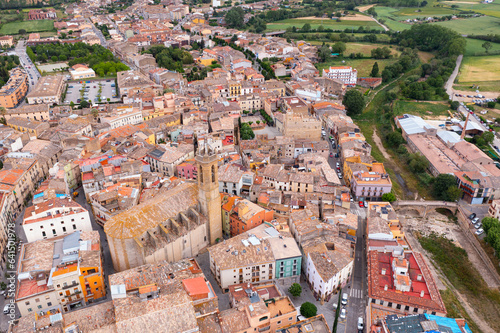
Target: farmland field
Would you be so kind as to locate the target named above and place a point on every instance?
(391, 18)
(421, 108)
(326, 23)
(480, 69)
(474, 47)
(491, 9)
(364, 66)
(30, 26)
(478, 25)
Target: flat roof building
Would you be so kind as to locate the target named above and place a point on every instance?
(48, 90)
(13, 92)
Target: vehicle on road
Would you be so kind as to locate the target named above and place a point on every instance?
(344, 299)
(340, 176)
(472, 216)
(365, 204)
(331, 154)
(475, 220)
(478, 225)
(479, 231)
(343, 313)
(361, 204)
(360, 323)
(6, 309)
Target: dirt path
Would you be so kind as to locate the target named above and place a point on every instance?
(483, 326)
(365, 8)
(379, 144)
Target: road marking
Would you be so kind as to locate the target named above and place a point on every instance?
(356, 293)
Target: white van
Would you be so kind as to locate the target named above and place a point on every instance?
(6, 309)
(344, 299)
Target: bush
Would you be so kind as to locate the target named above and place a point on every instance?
(389, 197)
(491, 105)
(308, 310)
(295, 289)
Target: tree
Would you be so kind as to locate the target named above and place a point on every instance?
(395, 139)
(418, 163)
(454, 105)
(389, 197)
(308, 310)
(339, 47)
(491, 105)
(487, 46)
(84, 104)
(22, 31)
(324, 53)
(295, 289)
(306, 28)
(441, 186)
(234, 38)
(354, 102)
(95, 113)
(72, 104)
(375, 70)
(235, 18)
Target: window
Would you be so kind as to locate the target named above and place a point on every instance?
(415, 310)
(74, 226)
(49, 303)
(373, 301)
(72, 220)
(433, 313)
(27, 303)
(381, 302)
(39, 306)
(29, 310)
(389, 304)
(398, 306)
(407, 308)
(64, 229)
(44, 234)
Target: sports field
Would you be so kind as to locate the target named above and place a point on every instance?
(480, 69)
(483, 25)
(30, 26)
(326, 23)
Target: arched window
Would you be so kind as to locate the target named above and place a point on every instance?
(213, 173)
(201, 174)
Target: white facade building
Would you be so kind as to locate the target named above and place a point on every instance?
(128, 116)
(325, 273)
(55, 217)
(346, 74)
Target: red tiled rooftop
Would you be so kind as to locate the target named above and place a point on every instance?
(195, 286)
(10, 176)
(29, 287)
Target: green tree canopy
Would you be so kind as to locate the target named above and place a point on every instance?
(308, 310)
(375, 70)
(339, 47)
(235, 18)
(354, 102)
(441, 188)
(295, 289)
(389, 197)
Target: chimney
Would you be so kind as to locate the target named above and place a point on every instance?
(386, 287)
(422, 293)
(419, 277)
(383, 271)
(465, 126)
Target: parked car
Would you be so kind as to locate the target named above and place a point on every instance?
(360, 323)
(344, 299)
(475, 220)
(365, 204)
(479, 231)
(478, 225)
(472, 216)
(343, 313)
(361, 204)
(6, 309)
(340, 176)
(331, 154)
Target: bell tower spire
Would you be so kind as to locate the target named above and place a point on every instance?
(208, 191)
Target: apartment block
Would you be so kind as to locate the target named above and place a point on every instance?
(60, 274)
(54, 217)
(48, 90)
(346, 74)
(247, 215)
(13, 92)
(371, 185)
(249, 257)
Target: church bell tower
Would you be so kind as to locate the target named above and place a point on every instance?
(208, 191)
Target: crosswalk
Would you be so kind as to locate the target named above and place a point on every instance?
(356, 293)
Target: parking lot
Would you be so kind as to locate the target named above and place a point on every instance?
(96, 91)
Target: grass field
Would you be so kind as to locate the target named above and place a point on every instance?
(364, 48)
(421, 108)
(456, 266)
(30, 26)
(491, 9)
(326, 23)
(474, 26)
(474, 47)
(484, 86)
(364, 66)
(391, 18)
(480, 69)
